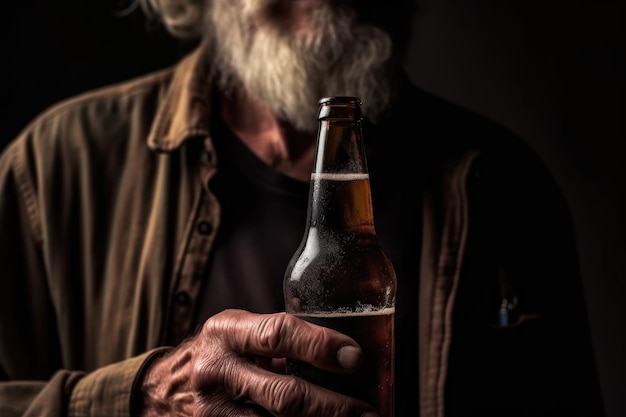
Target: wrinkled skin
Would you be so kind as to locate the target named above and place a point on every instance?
(235, 367)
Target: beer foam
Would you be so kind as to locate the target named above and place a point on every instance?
(333, 176)
(344, 313)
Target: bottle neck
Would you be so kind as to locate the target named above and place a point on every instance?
(340, 197)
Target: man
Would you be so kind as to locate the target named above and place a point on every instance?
(146, 228)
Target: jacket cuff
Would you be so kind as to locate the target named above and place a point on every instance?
(108, 391)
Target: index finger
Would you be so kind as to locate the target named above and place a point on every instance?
(285, 335)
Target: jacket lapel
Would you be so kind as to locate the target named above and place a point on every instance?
(445, 232)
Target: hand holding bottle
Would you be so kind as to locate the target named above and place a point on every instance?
(235, 367)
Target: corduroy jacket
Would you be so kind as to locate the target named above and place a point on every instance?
(107, 223)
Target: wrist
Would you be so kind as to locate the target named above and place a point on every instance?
(137, 394)
(164, 387)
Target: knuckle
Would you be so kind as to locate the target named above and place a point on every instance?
(211, 369)
(288, 395)
(272, 331)
(202, 373)
(214, 324)
(209, 328)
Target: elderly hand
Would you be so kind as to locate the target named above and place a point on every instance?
(235, 367)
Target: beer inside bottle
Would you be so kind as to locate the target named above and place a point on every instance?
(339, 276)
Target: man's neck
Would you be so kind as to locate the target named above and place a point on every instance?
(274, 141)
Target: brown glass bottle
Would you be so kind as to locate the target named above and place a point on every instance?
(339, 277)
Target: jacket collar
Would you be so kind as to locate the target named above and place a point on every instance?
(185, 107)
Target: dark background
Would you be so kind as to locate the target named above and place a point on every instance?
(551, 70)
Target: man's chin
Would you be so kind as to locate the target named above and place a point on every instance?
(290, 74)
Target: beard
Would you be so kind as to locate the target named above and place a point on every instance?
(253, 46)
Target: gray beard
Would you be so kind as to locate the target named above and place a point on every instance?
(291, 73)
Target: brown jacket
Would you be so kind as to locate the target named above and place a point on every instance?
(107, 222)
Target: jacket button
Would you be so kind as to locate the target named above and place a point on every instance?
(182, 298)
(204, 228)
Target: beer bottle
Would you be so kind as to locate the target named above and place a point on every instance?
(339, 277)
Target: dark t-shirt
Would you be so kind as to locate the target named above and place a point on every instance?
(263, 221)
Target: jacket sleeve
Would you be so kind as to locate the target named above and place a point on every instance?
(33, 378)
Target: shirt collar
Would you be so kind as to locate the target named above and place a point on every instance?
(185, 110)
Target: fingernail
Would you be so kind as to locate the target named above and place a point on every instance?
(349, 357)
